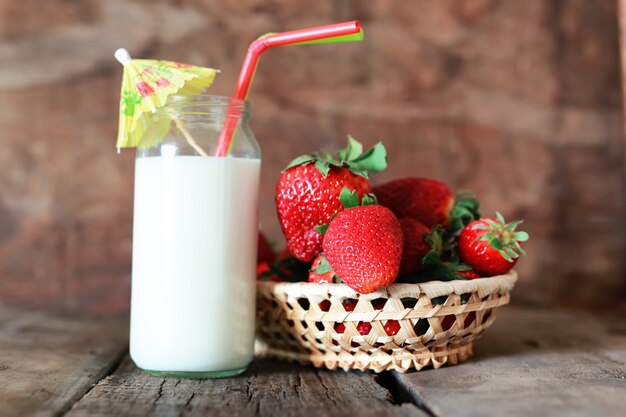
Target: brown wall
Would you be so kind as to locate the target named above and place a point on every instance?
(516, 100)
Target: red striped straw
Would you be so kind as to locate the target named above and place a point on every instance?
(340, 32)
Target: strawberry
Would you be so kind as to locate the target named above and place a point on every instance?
(415, 244)
(307, 193)
(427, 200)
(283, 254)
(324, 305)
(349, 306)
(363, 327)
(392, 327)
(364, 247)
(285, 269)
(261, 269)
(265, 253)
(469, 274)
(321, 271)
(340, 327)
(491, 246)
(447, 322)
(264, 272)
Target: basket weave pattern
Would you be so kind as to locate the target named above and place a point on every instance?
(438, 322)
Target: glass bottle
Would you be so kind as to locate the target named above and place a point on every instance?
(194, 241)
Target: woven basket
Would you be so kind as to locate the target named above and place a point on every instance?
(438, 322)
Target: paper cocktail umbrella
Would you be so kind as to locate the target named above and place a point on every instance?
(146, 85)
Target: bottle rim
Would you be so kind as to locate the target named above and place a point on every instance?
(208, 104)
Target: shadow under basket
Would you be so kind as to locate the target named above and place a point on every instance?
(435, 322)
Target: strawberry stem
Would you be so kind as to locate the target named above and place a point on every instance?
(463, 211)
(351, 157)
(503, 236)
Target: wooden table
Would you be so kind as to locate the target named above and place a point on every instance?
(531, 362)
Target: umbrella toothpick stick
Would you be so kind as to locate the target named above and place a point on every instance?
(183, 129)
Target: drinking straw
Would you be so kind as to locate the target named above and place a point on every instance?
(340, 32)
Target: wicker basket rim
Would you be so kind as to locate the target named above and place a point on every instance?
(484, 286)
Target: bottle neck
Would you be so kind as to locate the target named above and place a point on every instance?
(205, 108)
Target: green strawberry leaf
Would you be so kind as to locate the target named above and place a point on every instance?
(363, 174)
(435, 240)
(512, 254)
(351, 157)
(291, 270)
(327, 156)
(431, 258)
(349, 199)
(301, 160)
(324, 266)
(369, 200)
(518, 248)
(495, 242)
(433, 272)
(481, 226)
(513, 225)
(463, 212)
(323, 167)
(505, 255)
(352, 151)
(460, 267)
(322, 228)
(491, 223)
(521, 236)
(374, 160)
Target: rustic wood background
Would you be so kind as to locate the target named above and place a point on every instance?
(518, 101)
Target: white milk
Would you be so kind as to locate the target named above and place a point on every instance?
(194, 262)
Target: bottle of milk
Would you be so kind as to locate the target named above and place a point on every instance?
(194, 241)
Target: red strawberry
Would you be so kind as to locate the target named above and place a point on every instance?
(364, 247)
(349, 306)
(364, 328)
(265, 273)
(307, 193)
(324, 305)
(285, 269)
(491, 246)
(471, 274)
(469, 319)
(427, 200)
(447, 322)
(321, 271)
(392, 327)
(283, 254)
(261, 269)
(415, 244)
(265, 253)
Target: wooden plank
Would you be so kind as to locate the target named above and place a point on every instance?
(47, 363)
(533, 363)
(268, 388)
